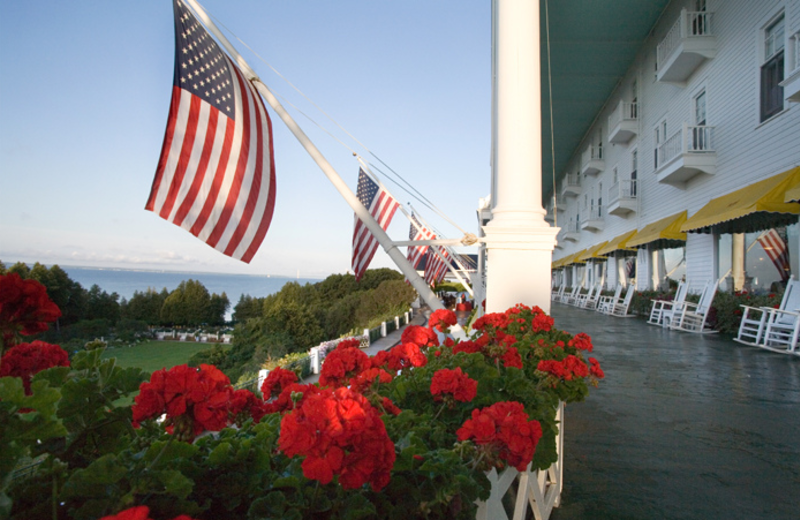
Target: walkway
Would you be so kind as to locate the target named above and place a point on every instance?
(682, 427)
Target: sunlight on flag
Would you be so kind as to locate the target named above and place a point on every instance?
(381, 206)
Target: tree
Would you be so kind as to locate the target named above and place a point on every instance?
(248, 307)
(145, 306)
(218, 308)
(101, 305)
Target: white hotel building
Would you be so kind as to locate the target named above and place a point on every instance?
(693, 154)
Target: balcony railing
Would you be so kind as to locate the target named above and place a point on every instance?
(622, 198)
(593, 219)
(623, 121)
(687, 153)
(592, 160)
(791, 85)
(572, 185)
(688, 42)
(795, 44)
(690, 139)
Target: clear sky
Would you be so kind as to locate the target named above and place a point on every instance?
(85, 89)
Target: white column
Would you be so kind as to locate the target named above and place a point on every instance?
(737, 261)
(519, 241)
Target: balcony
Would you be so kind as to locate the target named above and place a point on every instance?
(594, 220)
(689, 152)
(592, 161)
(561, 205)
(686, 46)
(571, 231)
(622, 198)
(623, 123)
(791, 85)
(572, 185)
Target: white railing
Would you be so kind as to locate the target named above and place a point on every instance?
(689, 139)
(595, 213)
(592, 153)
(623, 112)
(689, 24)
(795, 45)
(573, 226)
(572, 180)
(624, 189)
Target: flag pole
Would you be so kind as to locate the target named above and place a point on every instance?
(419, 228)
(361, 212)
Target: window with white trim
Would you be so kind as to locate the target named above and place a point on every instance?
(772, 68)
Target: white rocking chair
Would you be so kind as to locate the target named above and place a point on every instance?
(663, 311)
(620, 308)
(693, 316)
(606, 301)
(590, 302)
(583, 298)
(558, 294)
(754, 319)
(569, 298)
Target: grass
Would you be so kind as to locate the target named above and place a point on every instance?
(155, 355)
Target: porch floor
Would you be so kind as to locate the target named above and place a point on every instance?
(683, 426)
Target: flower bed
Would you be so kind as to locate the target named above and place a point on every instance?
(409, 433)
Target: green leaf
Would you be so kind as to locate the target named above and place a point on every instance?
(172, 450)
(176, 483)
(219, 454)
(87, 359)
(92, 480)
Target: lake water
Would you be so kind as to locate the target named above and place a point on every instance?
(125, 282)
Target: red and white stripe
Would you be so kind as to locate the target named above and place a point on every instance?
(216, 175)
(777, 251)
(365, 244)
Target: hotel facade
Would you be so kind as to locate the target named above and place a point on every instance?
(692, 159)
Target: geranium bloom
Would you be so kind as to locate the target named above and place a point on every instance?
(566, 369)
(542, 322)
(455, 383)
(276, 381)
(195, 400)
(363, 381)
(442, 319)
(27, 359)
(339, 433)
(595, 369)
(470, 347)
(138, 513)
(243, 405)
(506, 433)
(406, 355)
(512, 358)
(581, 341)
(420, 336)
(25, 307)
(342, 364)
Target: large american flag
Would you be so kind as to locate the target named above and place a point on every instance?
(435, 268)
(216, 174)
(777, 251)
(381, 206)
(418, 232)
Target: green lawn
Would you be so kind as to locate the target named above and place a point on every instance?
(155, 355)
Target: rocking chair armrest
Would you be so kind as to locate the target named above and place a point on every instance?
(795, 312)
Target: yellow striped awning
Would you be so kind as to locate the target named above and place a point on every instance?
(591, 252)
(667, 232)
(792, 194)
(756, 207)
(619, 243)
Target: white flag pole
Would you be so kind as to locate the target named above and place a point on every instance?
(361, 212)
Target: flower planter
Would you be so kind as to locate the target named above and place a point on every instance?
(539, 490)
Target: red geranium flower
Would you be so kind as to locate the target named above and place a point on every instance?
(25, 308)
(566, 369)
(595, 369)
(138, 513)
(339, 433)
(454, 383)
(581, 341)
(364, 381)
(276, 381)
(406, 355)
(420, 336)
(27, 359)
(195, 400)
(442, 319)
(504, 432)
(343, 363)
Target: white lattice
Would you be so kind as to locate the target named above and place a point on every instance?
(539, 490)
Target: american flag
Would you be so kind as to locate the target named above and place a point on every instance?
(435, 268)
(777, 251)
(418, 232)
(216, 174)
(381, 206)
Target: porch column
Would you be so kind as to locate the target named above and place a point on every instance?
(737, 261)
(520, 242)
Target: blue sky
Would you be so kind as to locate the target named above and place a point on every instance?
(84, 93)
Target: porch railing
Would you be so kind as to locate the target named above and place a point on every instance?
(595, 213)
(572, 180)
(623, 112)
(689, 139)
(690, 24)
(624, 189)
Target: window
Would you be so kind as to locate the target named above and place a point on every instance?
(634, 100)
(600, 199)
(660, 138)
(634, 168)
(772, 70)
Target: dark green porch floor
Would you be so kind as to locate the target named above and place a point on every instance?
(683, 426)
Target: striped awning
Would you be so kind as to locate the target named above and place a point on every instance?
(619, 243)
(756, 207)
(662, 234)
(591, 253)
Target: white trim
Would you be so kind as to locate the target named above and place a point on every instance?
(761, 27)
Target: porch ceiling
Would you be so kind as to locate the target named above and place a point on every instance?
(592, 45)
